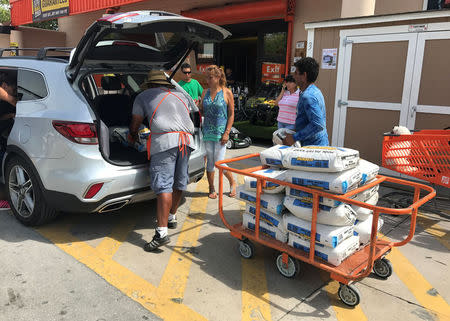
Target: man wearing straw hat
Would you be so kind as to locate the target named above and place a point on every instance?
(168, 146)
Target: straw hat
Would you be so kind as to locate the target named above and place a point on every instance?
(156, 77)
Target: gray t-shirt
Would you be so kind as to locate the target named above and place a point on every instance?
(172, 115)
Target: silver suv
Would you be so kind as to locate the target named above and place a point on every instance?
(61, 153)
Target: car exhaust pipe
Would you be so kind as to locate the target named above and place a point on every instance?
(113, 206)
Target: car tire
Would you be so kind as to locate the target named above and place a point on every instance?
(25, 195)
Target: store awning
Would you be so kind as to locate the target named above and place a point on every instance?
(241, 12)
(21, 10)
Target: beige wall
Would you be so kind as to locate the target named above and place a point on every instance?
(327, 38)
(313, 10)
(397, 6)
(356, 8)
(27, 37)
(4, 40)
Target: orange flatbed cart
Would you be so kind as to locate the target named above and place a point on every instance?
(355, 267)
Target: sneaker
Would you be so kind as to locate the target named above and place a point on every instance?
(4, 205)
(156, 242)
(172, 224)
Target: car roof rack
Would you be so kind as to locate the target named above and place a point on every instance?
(41, 52)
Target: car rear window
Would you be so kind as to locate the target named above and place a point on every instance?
(31, 85)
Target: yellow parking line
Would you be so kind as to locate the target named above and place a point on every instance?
(433, 228)
(173, 282)
(422, 290)
(342, 312)
(118, 276)
(110, 244)
(255, 296)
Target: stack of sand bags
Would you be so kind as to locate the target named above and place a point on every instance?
(331, 169)
(271, 203)
(364, 216)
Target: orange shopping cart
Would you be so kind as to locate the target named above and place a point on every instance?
(424, 154)
(356, 266)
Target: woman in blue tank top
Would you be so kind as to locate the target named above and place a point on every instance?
(217, 107)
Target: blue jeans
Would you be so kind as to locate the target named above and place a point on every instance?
(285, 125)
(215, 151)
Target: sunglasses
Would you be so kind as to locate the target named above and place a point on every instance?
(186, 72)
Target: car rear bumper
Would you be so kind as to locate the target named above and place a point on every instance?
(66, 202)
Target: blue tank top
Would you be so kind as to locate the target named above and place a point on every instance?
(216, 116)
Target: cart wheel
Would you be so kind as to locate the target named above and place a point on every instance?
(229, 144)
(246, 249)
(349, 294)
(382, 268)
(291, 269)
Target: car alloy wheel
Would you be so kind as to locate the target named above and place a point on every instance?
(21, 191)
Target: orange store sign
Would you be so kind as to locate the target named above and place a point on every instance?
(272, 72)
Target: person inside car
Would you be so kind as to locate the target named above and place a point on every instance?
(8, 101)
(168, 146)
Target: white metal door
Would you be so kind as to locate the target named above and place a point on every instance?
(430, 94)
(360, 96)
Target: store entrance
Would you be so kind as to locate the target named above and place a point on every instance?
(240, 55)
(251, 45)
(256, 55)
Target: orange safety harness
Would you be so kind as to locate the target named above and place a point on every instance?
(183, 137)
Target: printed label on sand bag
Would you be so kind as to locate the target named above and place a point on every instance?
(308, 197)
(306, 249)
(264, 216)
(267, 185)
(252, 199)
(262, 230)
(301, 231)
(310, 182)
(273, 161)
(298, 202)
(309, 162)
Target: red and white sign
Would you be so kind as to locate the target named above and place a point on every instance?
(272, 72)
(202, 67)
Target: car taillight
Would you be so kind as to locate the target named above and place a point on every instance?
(81, 133)
(93, 190)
